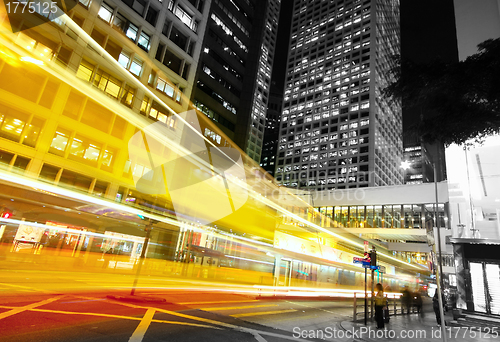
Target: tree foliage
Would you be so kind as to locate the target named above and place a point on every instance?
(459, 101)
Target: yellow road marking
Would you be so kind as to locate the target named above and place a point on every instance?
(254, 332)
(25, 287)
(237, 307)
(219, 302)
(115, 316)
(27, 307)
(262, 313)
(141, 329)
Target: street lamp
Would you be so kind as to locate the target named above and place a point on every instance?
(406, 165)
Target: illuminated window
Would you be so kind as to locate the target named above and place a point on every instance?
(132, 31)
(107, 83)
(186, 18)
(85, 71)
(144, 41)
(136, 66)
(32, 132)
(82, 149)
(128, 95)
(105, 12)
(165, 87)
(60, 142)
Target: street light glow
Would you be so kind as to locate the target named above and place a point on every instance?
(405, 165)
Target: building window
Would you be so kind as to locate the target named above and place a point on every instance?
(85, 71)
(186, 18)
(105, 12)
(82, 149)
(178, 38)
(173, 62)
(136, 5)
(60, 142)
(144, 41)
(128, 96)
(107, 83)
(165, 87)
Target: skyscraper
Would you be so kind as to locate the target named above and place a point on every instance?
(337, 130)
(234, 73)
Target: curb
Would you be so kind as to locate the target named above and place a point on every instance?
(138, 299)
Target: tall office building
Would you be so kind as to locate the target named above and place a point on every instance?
(337, 130)
(268, 160)
(234, 74)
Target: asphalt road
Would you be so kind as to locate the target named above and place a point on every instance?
(186, 317)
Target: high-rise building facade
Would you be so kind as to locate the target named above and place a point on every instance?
(234, 74)
(337, 130)
(268, 160)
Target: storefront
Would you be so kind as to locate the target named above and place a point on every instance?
(478, 276)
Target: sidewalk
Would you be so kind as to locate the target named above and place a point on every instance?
(415, 327)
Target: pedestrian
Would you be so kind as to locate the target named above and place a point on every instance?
(107, 257)
(417, 299)
(405, 301)
(435, 306)
(380, 303)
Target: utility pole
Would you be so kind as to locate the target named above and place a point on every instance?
(147, 230)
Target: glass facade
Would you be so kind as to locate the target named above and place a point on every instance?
(383, 216)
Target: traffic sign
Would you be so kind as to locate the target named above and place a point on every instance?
(382, 269)
(374, 267)
(364, 262)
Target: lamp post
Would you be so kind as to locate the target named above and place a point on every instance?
(406, 165)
